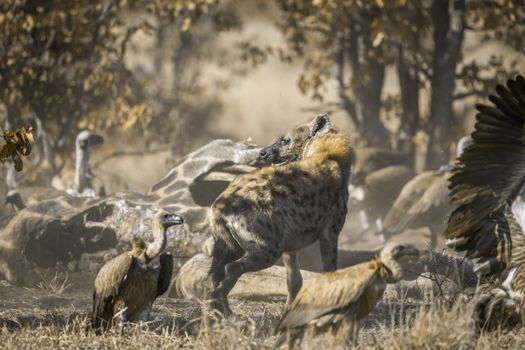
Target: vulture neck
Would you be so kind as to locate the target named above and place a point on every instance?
(390, 270)
(82, 169)
(159, 242)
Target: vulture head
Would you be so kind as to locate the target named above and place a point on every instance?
(167, 219)
(86, 139)
(394, 255)
(161, 222)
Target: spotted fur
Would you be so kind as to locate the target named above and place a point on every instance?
(280, 209)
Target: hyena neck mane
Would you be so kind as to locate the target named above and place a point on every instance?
(334, 146)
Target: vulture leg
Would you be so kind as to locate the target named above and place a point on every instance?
(294, 279)
(363, 218)
(144, 314)
(433, 236)
(349, 332)
(122, 318)
(294, 337)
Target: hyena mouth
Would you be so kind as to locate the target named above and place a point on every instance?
(281, 163)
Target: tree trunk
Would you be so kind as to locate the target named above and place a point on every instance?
(368, 106)
(409, 89)
(448, 20)
(47, 148)
(340, 60)
(367, 84)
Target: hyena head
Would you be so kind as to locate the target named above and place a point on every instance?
(290, 146)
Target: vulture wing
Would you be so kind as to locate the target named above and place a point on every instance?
(488, 178)
(328, 293)
(110, 280)
(384, 185)
(165, 273)
(405, 209)
(436, 196)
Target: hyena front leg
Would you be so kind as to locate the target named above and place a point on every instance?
(328, 244)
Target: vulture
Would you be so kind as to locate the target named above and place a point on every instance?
(127, 285)
(423, 202)
(336, 301)
(82, 182)
(378, 192)
(484, 187)
(378, 176)
(14, 198)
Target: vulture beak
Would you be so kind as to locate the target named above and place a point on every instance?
(95, 139)
(169, 219)
(409, 252)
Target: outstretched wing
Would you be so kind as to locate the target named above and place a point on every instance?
(404, 210)
(328, 293)
(110, 280)
(488, 178)
(165, 273)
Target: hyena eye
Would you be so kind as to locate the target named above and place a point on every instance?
(284, 141)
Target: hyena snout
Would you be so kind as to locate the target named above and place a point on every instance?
(268, 155)
(264, 153)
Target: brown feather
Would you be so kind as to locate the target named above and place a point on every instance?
(329, 292)
(423, 200)
(107, 286)
(165, 273)
(338, 300)
(488, 178)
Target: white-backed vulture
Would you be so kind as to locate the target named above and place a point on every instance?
(484, 187)
(423, 202)
(127, 285)
(378, 192)
(82, 180)
(337, 300)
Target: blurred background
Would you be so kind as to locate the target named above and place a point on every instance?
(160, 78)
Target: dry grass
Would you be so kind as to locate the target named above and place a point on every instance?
(39, 318)
(56, 285)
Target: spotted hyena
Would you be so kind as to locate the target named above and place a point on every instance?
(279, 209)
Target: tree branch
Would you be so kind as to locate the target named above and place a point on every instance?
(466, 94)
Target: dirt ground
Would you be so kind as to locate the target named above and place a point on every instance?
(56, 314)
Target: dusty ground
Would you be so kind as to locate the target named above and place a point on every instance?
(56, 315)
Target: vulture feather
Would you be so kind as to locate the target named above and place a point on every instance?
(337, 300)
(127, 285)
(484, 186)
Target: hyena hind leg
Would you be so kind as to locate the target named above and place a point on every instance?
(250, 262)
(294, 278)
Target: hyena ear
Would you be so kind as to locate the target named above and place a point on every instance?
(320, 125)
